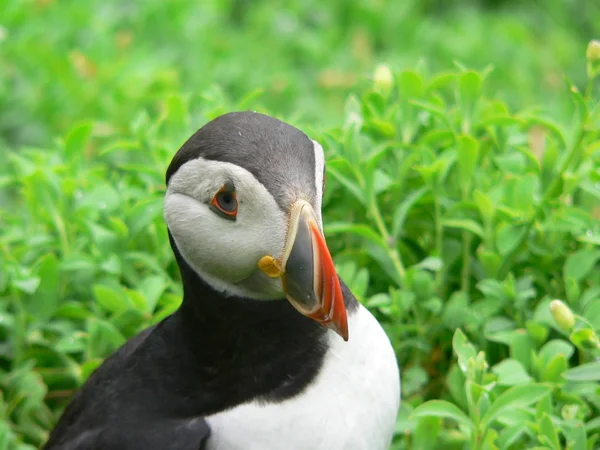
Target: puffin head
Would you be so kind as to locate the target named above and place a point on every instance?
(243, 207)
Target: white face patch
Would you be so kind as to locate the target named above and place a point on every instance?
(319, 168)
(224, 252)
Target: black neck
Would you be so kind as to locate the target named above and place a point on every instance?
(246, 348)
(210, 315)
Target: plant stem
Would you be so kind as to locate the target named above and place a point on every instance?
(473, 440)
(392, 250)
(439, 243)
(566, 162)
(19, 328)
(466, 263)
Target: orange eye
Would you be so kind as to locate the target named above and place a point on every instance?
(224, 203)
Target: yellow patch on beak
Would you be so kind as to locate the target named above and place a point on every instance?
(270, 266)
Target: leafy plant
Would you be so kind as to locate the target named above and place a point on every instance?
(464, 217)
(475, 217)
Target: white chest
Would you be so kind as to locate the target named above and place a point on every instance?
(351, 405)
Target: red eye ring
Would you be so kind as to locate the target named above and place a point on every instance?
(225, 202)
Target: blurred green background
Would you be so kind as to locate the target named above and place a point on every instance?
(96, 97)
(67, 60)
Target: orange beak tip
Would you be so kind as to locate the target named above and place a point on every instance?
(341, 330)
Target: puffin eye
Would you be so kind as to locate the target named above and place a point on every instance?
(224, 203)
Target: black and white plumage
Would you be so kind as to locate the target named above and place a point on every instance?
(238, 366)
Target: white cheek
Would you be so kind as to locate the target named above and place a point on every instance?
(205, 240)
(223, 252)
(221, 247)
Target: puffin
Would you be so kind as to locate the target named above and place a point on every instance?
(269, 349)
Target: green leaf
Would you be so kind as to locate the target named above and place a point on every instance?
(176, 110)
(579, 264)
(103, 197)
(515, 397)
(575, 434)
(491, 262)
(381, 182)
(410, 84)
(137, 300)
(511, 163)
(143, 214)
(250, 98)
(103, 338)
(592, 313)
(169, 305)
(426, 434)
(521, 346)
(484, 204)
(430, 263)
(584, 372)
(525, 192)
(511, 372)
(548, 430)
(413, 379)
(593, 425)
(469, 88)
(152, 288)
(468, 150)
(464, 224)
(551, 126)
(585, 339)
(510, 237)
(556, 347)
(509, 435)
(435, 110)
(44, 303)
(553, 370)
(443, 409)
(573, 290)
(72, 343)
(380, 128)
(537, 331)
(441, 80)
(77, 139)
(580, 102)
(72, 310)
(88, 367)
(378, 301)
(543, 406)
(112, 265)
(489, 441)
(455, 380)
(351, 186)
(129, 322)
(109, 299)
(456, 311)
(463, 349)
(502, 121)
(404, 207)
(359, 230)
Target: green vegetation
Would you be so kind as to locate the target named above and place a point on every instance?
(460, 204)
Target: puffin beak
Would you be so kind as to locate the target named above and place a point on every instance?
(309, 278)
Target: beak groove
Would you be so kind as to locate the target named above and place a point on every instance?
(308, 274)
